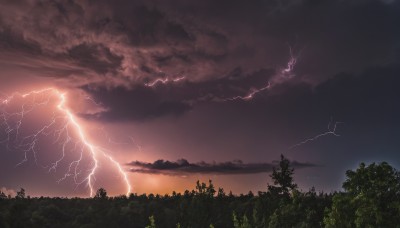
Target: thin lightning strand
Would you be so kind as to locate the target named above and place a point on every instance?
(130, 140)
(164, 81)
(139, 147)
(292, 62)
(30, 142)
(285, 73)
(331, 131)
(250, 95)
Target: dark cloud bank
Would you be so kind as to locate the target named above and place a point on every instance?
(183, 167)
(347, 68)
(371, 96)
(111, 44)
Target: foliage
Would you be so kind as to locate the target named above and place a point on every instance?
(240, 223)
(101, 193)
(152, 222)
(2, 195)
(20, 194)
(283, 178)
(370, 199)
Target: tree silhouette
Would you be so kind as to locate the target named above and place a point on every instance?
(2, 195)
(372, 198)
(101, 193)
(240, 223)
(20, 194)
(283, 178)
(152, 222)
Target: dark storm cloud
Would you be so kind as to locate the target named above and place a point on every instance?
(222, 48)
(183, 167)
(135, 104)
(117, 44)
(372, 95)
(124, 43)
(367, 103)
(141, 102)
(96, 57)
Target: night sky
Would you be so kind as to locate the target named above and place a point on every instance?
(178, 91)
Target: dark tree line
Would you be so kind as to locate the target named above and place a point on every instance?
(371, 198)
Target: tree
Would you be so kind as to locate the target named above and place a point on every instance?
(371, 198)
(2, 195)
(152, 222)
(101, 194)
(341, 214)
(244, 223)
(203, 189)
(20, 194)
(283, 178)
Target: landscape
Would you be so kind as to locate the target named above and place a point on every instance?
(370, 199)
(213, 113)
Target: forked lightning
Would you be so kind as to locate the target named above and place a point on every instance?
(12, 121)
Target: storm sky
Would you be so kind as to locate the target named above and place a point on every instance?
(182, 90)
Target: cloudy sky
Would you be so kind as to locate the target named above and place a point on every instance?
(175, 91)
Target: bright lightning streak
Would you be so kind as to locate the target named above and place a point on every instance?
(30, 142)
(292, 62)
(250, 95)
(331, 131)
(164, 81)
(284, 74)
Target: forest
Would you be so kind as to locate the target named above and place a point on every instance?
(370, 198)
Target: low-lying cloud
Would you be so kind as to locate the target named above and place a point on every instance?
(184, 167)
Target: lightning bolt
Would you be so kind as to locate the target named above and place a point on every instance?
(283, 74)
(250, 95)
(332, 127)
(12, 121)
(164, 81)
(291, 63)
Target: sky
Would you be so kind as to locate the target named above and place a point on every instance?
(155, 95)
